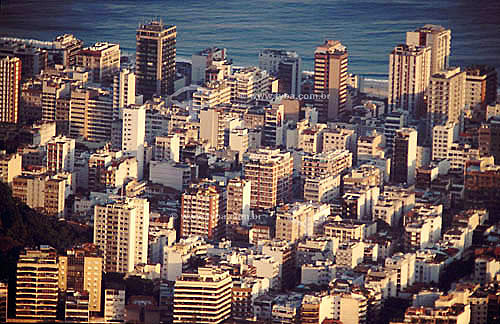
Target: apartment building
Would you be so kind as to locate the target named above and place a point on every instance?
(60, 154)
(102, 59)
(330, 80)
(203, 207)
(10, 83)
(37, 302)
(10, 167)
(326, 163)
(203, 297)
(121, 233)
(270, 173)
(80, 270)
(409, 74)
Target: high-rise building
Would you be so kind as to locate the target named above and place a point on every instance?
(329, 163)
(214, 307)
(203, 207)
(155, 58)
(409, 73)
(480, 86)
(3, 301)
(54, 93)
(404, 156)
(80, 270)
(287, 66)
(60, 154)
(330, 80)
(114, 305)
(10, 82)
(133, 135)
(41, 191)
(121, 232)
(238, 203)
(443, 137)
(91, 114)
(123, 91)
(102, 59)
(36, 284)
(446, 97)
(212, 127)
(10, 167)
(76, 307)
(438, 39)
(270, 172)
(68, 47)
(247, 84)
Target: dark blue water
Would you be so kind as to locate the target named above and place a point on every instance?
(369, 28)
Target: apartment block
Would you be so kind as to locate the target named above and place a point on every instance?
(155, 58)
(60, 154)
(238, 203)
(323, 189)
(339, 139)
(409, 74)
(10, 83)
(114, 305)
(286, 65)
(446, 97)
(370, 146)
(211, 95)
(91, 114)
(350, 254)
(247, 84)
(44, 192)
(326, 163)
(438, 39)
(121, 233)
(270, 173)
(102, 59)
(480, 86)
(443, 136)
(330, 80)
(214, 307)
(76, 307)
(298, 220)
(37, 302)
(80, 270)
(203, 207)
(10, 167)
(404, 156)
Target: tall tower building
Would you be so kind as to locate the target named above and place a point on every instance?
(404, 156)
(438, 39)
(330, 80)
(36, 284)
(155, 58)
(480, 87)
(287, 66)
(81, 270)
(238, 203)
(409, 73)
(203, 207)
(61, 154)
(446, 97)
(121, 233)
(270, 172)
(123, 91)
(214, 307)
(10, 82)
(134, 134)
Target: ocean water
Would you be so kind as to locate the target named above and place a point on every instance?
(369, 28)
